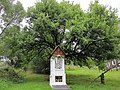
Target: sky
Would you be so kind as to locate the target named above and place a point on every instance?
(83, 3)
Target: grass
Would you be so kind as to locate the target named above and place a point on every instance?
(81, 79)
(77, 79)
(32, 82)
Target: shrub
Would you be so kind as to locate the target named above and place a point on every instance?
(41, 66)
(9, 73)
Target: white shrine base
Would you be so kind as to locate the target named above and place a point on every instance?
(60, 87)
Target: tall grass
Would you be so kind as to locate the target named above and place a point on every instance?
(77, 79)
(32, 82)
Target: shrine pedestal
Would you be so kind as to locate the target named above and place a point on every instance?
(60, 87)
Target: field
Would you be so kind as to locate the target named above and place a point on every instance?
(77, 79)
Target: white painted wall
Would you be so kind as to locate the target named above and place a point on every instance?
(57, 72)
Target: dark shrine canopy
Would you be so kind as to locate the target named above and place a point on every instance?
(58, 51)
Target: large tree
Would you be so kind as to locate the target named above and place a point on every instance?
(84, 36)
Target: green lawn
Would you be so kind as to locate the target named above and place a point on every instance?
(77, 79)
(32, 82)
(81, 80)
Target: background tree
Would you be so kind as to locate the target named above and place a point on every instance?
(11, 13)
(11, 16)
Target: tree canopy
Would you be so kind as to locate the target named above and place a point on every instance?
(84, 36)
(93, 34)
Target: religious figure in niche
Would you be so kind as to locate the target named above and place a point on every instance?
(58, 63)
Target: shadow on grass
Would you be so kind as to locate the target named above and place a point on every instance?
(37, 78)
(78, 79)
(88, 79)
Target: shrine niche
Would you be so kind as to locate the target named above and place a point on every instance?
(58, 63)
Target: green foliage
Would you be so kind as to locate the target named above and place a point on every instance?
(8, 73)
(11, 14)
(10, 45)
(14, 76)
(41, 66)
(93, 35)
(86, 37)
(48, 26)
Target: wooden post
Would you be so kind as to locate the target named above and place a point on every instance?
(102, 75)
(102, 78)
(117, 65)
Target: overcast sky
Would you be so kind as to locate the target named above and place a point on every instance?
(83, 3)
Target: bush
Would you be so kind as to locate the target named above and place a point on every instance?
(8, 72)
(41, 66)
(14, 76)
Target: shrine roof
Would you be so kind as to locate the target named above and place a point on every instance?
(58, 51)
